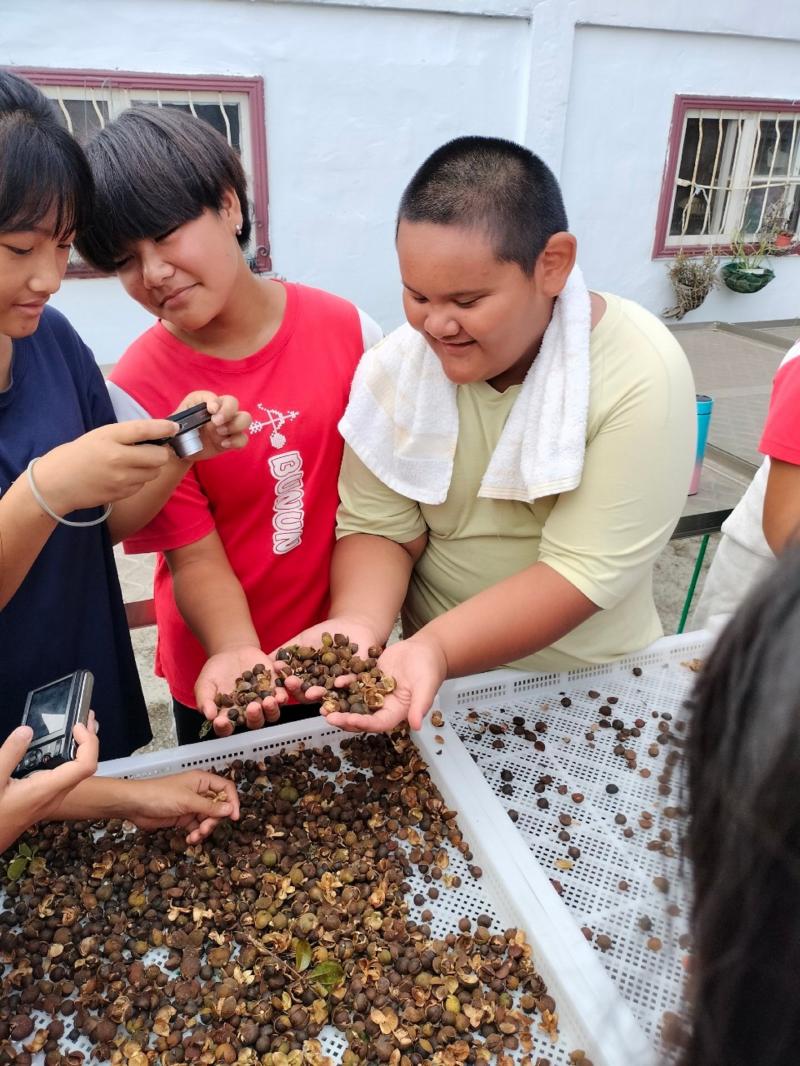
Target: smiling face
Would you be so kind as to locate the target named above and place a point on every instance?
(483, 318)
(32, 267)
(186, 277)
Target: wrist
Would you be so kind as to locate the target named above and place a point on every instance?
(428, 639)
(51, 486)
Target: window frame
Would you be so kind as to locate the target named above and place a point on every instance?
(681, 105)
(251, 87)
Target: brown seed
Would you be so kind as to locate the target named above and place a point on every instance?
(603, 941)
(654, 943)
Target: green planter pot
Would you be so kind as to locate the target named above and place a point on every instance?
(740, 279)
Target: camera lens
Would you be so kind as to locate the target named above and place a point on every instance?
(186, 444)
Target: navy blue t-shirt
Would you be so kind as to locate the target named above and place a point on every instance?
(68, 612)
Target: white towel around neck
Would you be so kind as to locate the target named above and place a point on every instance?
(402, 416)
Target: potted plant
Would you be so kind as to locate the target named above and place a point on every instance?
(776, 228)
(692, 280)
(746, 271)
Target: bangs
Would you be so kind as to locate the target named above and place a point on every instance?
(154, 170)
(133, 208)
(44, 180)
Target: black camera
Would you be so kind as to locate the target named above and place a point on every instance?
(51, 711)
(187, 441)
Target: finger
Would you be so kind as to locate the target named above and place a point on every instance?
(315, 694)
(420, 705)
(139, 429)
(204, 692)
(13, 749)
(254, 715)
(292, 685)
(203, 830)
(236, 442)
(363, 723)
(88, 748)
(223, 410)
(222, 784)
(272, 711)
(223, 726)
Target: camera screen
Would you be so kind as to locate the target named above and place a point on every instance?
(48, 709)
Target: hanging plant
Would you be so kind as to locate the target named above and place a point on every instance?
(692, 280)
(746, 272)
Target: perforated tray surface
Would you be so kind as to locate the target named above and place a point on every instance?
(610, 887)
(512, 890)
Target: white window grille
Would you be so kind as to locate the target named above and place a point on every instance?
(89, 100)
(734, 169)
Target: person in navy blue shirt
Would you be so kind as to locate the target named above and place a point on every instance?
(60, 602)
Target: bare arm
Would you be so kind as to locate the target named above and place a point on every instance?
(24, 531)
(209, 595)
(369, 580)
(136, 511)
(477, 635)
(781, 517)
(214, 606)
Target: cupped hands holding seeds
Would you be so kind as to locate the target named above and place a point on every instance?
(336, 671)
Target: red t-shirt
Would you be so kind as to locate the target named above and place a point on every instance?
(274, 503)
(781, 436)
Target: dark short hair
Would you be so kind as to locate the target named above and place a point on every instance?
(43, 170)
(744, 832)
(489, 184)
(154, 169)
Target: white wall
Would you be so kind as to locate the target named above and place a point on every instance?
(355, 99)
(359, 91)
(617, 130)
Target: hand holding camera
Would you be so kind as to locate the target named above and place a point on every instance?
(40, 795)
(103, 466)
(207, 426)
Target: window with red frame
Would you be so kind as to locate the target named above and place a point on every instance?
(733, 168)
(88, 99)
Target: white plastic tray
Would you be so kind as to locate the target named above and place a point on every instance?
(592, 1015)
(650, 981)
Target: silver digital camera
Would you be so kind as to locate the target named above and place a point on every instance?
(187, 440)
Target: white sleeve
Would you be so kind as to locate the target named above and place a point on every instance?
(125, 407)
(371, 332)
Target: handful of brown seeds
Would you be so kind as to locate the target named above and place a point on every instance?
(337, 657)
(293, 919)
(255, 684)
(316, 667)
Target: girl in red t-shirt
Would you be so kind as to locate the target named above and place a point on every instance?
(245, 549)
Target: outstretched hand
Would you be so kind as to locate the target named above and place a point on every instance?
(38, 796)
(419, 667)
(219, 676)
(195, 801)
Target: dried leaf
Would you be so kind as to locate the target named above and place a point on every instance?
(302, 955)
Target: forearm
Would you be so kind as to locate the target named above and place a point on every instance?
(369, 580)
(96, 798)
(24, 530)
(781, 517)
(131, 514)
(212, 602)
(514, 618)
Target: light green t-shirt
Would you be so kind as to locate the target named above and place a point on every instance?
(603, 536)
